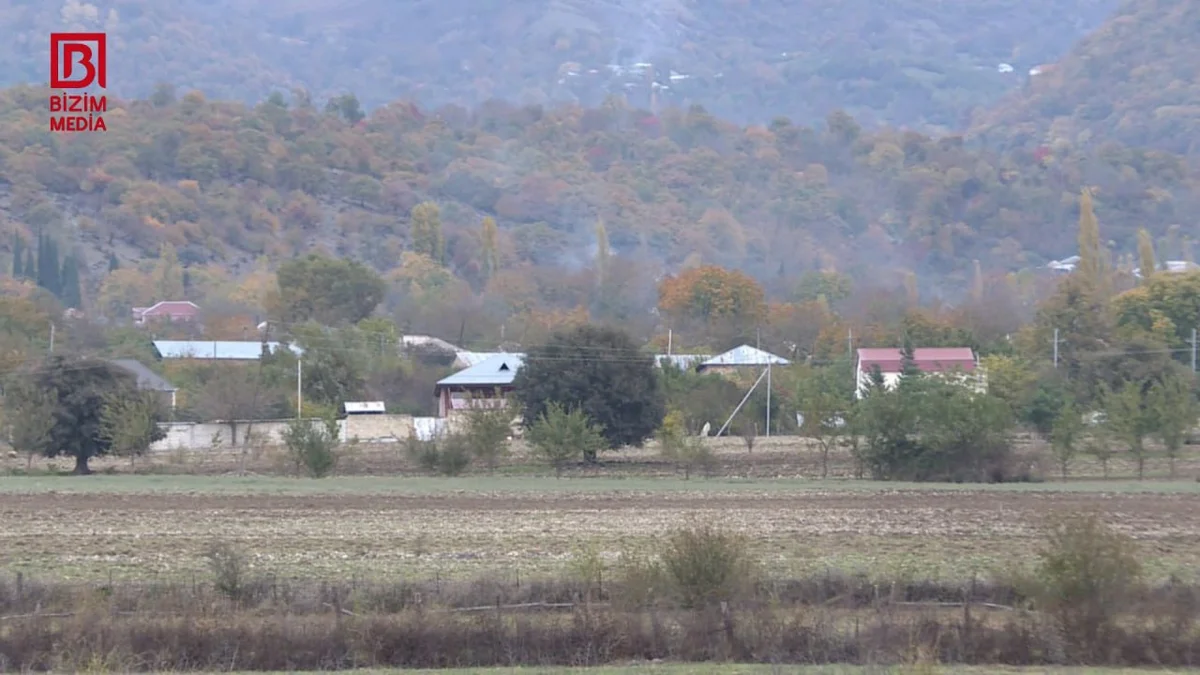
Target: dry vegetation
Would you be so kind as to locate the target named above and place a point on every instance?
(167, 571)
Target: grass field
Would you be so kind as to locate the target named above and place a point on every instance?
(144, 527)
(736, 669)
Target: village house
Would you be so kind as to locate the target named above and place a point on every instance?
(485, 384)
(958, 362)
(167, 310)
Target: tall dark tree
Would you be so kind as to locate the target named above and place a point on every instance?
(48, 269)
(600, 371)
(327, 290)
(72, 294)
(18, 260)
(80, 388)
(30, 266)
(113, 263)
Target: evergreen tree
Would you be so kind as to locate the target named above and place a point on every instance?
(48, 269)
(30, 266)
(72, 294)
(908, 360)
(18, 256)
(113, 263)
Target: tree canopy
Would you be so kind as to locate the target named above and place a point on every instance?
(600, 371)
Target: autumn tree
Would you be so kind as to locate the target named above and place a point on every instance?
(1066, 436)
(29, 418)
(234, 396)
(713, 297)
(425, 233)
(1145, 247)
(597, 370)
(327, 290)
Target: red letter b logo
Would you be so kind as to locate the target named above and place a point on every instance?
(68, 51)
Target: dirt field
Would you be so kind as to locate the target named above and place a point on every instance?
(144, 527)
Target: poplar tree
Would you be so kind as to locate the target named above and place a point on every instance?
(1090, 251)
(1145, 247)
(426, 230)
(491, 260)
(72, 294)
(602, 252)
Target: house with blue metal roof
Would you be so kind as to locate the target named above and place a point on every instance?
(485, 384)
(217, 350)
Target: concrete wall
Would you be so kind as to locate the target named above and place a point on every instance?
(213, 435)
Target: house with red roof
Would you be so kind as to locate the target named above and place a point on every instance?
(960, 363)
(167, 310)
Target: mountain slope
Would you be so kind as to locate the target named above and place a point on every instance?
(1135, 80)
(906, 62)
(226, 184)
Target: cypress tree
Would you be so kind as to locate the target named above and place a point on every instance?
(30, 266)
(72, 295)
(113, 263)
(18, 260)
(49, 271)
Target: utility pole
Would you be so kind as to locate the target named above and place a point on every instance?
(669, 342)
(299, 387)
(52, 340)
(1056, 348)
(768, 399)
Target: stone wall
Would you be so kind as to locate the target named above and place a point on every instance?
(213, 435)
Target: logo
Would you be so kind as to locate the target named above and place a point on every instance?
(78, 61)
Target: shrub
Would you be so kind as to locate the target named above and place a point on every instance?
(422, 452)
(1085, 572)
(454, 455)
(228, 567)
(487, 434)
(705, 566)
(560, 435)
(313, 447)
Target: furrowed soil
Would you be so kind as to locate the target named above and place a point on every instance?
(92, 533)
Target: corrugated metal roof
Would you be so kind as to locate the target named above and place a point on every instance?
(219, 350)
(146, 379)
(928, 359)
(469, 359)
(497, 370)
(746, 356)
(681, 360)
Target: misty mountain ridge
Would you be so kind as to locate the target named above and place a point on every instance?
(906, 62)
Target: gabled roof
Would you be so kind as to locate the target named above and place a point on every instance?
(745, 356)
(497, 370)
(468, 358)
(681, 360)
(219, 350)
(146, 379)
(927, 359)
(170, 307)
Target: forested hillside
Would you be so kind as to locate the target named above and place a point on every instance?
(903, 62)
(234, 190)
(1134, 80)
